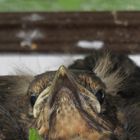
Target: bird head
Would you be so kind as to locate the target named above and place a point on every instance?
(71, 105)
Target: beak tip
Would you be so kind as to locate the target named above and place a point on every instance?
(62, 70)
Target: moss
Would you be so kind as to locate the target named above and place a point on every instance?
(72, 5)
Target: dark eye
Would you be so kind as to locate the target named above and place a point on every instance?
(100, 96)
(33, 99)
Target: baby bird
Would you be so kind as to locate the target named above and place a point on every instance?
(96, 98)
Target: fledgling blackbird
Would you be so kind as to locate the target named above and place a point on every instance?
(97, 98)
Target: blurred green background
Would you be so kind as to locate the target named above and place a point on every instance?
(68, 5)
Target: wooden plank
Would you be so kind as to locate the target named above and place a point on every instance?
(60, 32)
(53, 48)
(45, 35)
(97, 18)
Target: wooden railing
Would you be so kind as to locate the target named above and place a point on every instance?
(60, 32)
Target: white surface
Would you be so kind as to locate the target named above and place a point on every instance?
(40, 63)
(34, 63)
(95, 44)
(135, 58)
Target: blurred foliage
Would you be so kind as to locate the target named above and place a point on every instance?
(33, 134)
(68, 5)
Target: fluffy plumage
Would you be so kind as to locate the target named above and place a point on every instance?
(119, 74)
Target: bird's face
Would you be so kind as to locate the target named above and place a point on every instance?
(69, 105)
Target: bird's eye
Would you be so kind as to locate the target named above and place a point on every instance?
(33, 99)
(100, 96)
